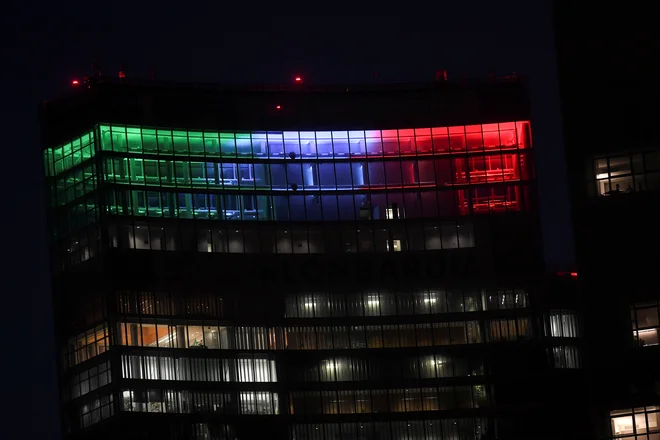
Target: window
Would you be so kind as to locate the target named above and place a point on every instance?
(623, 174)
(389, 400)
(469, 428)
(98, 409)
(259, 402)
(89, 380)
(562, 324)
(566, 357)
(645, 323)
(87, 345)
(636, 423)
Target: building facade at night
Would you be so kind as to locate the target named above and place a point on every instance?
(332, 263)
(613, 160)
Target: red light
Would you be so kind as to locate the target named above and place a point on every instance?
(298, 79)
(279, 107)
(75, 82)
(574, 274)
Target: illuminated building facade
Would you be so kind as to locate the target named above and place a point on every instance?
(614, 173)
(237, 263)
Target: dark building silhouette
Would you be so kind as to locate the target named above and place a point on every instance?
(301, 263)
(607, 61)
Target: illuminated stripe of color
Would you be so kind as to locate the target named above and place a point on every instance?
(316, 144)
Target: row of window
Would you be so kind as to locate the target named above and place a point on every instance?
(207, 336)
(320, 206)
(293, 177)
(624, 173)
(307, 402)
(391, 400)
(88, 380)
(288, 239)
(263, 238)
(169, 304)
(347, 369)
(415, 302)
(314, 176)
(320, 338)
(87, 345)
(260, 368)
(636, 424)
(437, 429)
(187, 402)
(372, 302)
(80, 243)
(74, 185)
(322, 144)
(445, 429)
(168, 367)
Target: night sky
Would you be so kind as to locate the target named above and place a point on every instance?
(51, 43)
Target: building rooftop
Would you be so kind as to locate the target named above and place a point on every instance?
(283, 107)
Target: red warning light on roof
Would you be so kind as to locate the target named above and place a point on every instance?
(75, 82)
(298, 79)
(574, 274)
(279, 107)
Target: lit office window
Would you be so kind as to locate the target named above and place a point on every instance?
(645, 323)
(258, 402)
(562, 324)
(623, 174)
(87, 345)
(640, 423)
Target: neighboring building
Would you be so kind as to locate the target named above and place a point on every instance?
(332, 263)
(607, 61)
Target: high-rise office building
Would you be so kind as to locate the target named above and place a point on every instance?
(301, 263)
(609, 93)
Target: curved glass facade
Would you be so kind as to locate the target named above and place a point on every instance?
(385, 345)
(318, 175)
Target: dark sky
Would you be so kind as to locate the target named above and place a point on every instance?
(50, 43)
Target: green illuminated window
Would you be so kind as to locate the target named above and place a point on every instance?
(64, 157)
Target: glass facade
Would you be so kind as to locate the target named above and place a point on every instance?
(368, 180)
(337, 175)
(149, 215)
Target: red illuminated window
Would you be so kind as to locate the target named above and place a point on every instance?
(489, 199)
